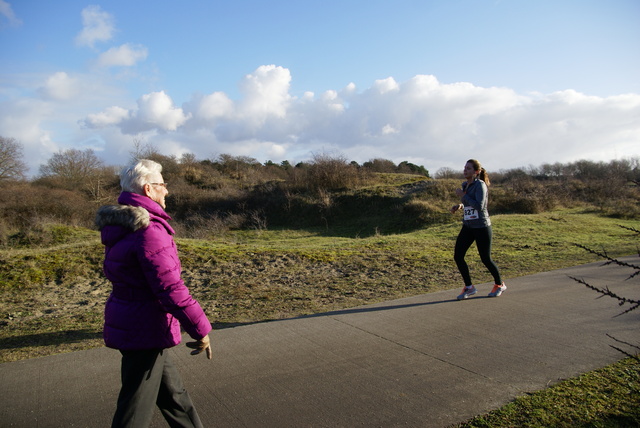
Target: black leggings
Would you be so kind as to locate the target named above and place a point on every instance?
(482, 237)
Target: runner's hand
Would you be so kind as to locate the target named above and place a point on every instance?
(203, 344)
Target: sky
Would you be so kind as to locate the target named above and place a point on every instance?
(512, 83)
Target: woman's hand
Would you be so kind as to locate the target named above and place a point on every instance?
(456, 208)
(203, 344)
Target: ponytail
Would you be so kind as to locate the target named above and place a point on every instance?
(482, 175)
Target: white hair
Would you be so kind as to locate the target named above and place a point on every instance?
(134, 177)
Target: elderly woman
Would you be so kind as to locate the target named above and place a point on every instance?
(148, 302)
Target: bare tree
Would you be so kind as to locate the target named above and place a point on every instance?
(238, 167)
(632, 303)
(142, 150)
(188, 159)
(12, 167)
(446, 172)
(72, 164)
(72, 167)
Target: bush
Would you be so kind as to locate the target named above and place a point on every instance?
(198, 225)
(232, 192)
(329, 173)
(26, 210)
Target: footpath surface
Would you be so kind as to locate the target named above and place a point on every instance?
(424, 361)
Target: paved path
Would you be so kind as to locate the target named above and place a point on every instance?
(424, 361)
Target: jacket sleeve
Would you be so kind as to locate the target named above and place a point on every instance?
(158, 257)
(476, 196)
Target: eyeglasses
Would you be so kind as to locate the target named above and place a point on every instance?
(160, 184)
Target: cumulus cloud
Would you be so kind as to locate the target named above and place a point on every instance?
(111, 116)
(420, 120)
(97, 26)
(155, 112)
(7, 15)
(564, 125)
(59, 86)
(126, 55)
(25, 120)
(266, 93)
(209, 109)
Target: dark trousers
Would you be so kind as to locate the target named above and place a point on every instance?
(482, 237)
(149, 378)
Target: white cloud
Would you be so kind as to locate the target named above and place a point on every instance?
(209, 109)
(157, 110)
(6, 12)
(564, 126)
(24, 120)
(266, 93)
(126, 55)
(388, 129)
(385, 85)
(111, 116)
(21, 121)
(59, 86)
(98, 26)
(420, 120)
(42, 111)
(277, 151)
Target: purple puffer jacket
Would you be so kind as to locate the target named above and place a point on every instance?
(149, 300)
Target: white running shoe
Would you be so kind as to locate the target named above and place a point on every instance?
(467, 292)
(497, 290)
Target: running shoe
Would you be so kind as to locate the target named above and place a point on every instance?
(467, 292)
(497, 290)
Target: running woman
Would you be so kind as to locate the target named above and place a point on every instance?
(476, 227)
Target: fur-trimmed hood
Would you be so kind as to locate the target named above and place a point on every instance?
(132, 213)
(127, 216)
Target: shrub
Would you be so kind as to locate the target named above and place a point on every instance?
(198, 225)
(329, 172)
(233, 192)
(26, 209)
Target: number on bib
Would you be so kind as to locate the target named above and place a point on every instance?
(470, 213)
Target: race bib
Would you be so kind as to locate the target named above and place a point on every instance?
(470, 213)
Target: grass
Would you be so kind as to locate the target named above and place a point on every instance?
(252, 276)
(608, 397)
(52, 298)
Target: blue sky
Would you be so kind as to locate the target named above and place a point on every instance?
(510, 82)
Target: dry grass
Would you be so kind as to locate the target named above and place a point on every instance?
(51, 298)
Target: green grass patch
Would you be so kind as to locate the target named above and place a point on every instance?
(28, 268)
(297, 272)
(608, 397)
